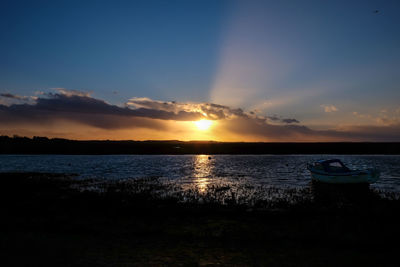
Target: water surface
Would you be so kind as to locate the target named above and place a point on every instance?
(202, 170)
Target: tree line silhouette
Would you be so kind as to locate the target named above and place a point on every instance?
(44, 145)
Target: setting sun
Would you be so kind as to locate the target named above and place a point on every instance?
(203, 124)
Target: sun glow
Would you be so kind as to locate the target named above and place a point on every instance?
(203, 125)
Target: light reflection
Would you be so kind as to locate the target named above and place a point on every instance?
(202, 171)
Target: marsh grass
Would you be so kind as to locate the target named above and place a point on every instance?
(223, 194)
(238, 195)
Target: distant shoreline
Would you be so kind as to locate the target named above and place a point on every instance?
(43, 145)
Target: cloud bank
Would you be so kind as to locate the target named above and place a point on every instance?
(168, 119)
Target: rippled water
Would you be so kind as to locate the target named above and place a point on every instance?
(201, 170)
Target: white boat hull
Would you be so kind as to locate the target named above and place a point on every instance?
(354, 177)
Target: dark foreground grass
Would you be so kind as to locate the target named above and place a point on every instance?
(52, 219)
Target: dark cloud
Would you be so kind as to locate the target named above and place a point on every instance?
(390, 133)
(266, 131)
(290, 121)
(275, 118)
(39, 115)
(81, 107)
(10, 99)
(294, 133)
(8, 95)
(17, 97)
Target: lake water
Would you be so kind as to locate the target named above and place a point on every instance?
(202, 170)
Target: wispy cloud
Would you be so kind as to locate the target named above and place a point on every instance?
(385, 117)
(329, 108)
(69, 92)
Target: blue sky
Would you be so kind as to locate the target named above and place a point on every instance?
(158, 49)
(331, 65)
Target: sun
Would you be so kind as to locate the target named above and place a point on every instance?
(203, 125)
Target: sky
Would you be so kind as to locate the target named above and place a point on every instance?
(243, 70)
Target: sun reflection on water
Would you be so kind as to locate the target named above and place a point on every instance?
(202, 171)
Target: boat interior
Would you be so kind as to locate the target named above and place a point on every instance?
(333, 165)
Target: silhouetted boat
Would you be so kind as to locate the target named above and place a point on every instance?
(335, 172)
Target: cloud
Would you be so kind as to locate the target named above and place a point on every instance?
(210, 111)
(256, 131)
(207, 110)
(329, 108)
(266, 131)
(80, 107)
(290, 121)
(275, 118)
(168, 118)
(367, 133)
(9, 99)
(18, 97)
(68, 92)
(385, 117)
(8, 95)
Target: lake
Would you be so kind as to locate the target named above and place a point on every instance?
(202, 170)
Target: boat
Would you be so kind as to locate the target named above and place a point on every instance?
(333, 171)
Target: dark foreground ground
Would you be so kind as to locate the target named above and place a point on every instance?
(50, 219)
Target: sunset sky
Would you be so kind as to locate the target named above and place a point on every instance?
(201, 70)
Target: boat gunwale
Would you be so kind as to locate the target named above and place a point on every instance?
(351, 173)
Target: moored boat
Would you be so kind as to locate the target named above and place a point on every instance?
(335, 172)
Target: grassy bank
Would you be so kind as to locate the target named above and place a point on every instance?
(53, 219)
